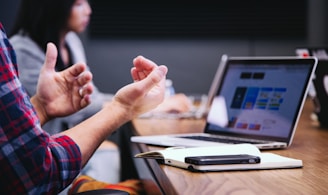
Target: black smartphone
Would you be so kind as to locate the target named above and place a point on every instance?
(223, 159)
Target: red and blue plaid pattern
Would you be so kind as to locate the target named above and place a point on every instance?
(31, 161)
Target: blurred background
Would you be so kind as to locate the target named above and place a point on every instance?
(191, 37)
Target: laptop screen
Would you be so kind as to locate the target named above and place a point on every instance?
(260, 98)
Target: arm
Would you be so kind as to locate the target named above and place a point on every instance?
(41, 159)
(25, 148)
(130, 101)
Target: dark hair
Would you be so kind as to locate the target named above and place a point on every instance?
(43, 20)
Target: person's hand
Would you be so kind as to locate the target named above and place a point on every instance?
(61, 93)
(144, 94)
(148, 89)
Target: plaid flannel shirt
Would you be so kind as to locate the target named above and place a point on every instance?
(31, 161)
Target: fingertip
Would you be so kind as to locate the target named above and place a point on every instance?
(163, 69)
(79, 68)
(89, 89)
(51, 48)
(50, 44)
(86, 100)
(137, 59)
(81, 64)
(91, 75)
(84, 65)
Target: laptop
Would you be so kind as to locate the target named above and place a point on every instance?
(256, 100)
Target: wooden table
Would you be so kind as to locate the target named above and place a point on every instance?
(310, 144)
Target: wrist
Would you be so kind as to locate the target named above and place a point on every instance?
(40, 110)
(121, 111)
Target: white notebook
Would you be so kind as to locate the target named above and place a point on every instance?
(176, 157)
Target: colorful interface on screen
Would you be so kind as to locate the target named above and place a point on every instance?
(259, 99)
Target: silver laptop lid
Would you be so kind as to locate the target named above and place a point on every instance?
(259, 97)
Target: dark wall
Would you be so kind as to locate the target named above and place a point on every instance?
(192, 61)
(8, 12)
(233, 18)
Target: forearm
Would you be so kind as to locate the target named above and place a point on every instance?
(89, 134)
(130, 101)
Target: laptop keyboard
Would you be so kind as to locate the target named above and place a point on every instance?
(223, 140)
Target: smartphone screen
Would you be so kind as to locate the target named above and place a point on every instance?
(223, 159)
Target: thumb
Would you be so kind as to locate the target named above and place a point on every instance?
(155, 77)
(51, 56)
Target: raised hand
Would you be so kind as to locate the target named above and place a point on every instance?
(61, 93)
(148, 89)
